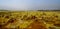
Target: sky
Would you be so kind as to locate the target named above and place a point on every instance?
(29, 4)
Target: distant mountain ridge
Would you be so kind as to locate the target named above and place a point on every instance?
(28, 10)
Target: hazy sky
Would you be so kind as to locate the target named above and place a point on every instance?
(29, 4)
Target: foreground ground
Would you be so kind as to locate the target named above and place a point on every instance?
(30, 20)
